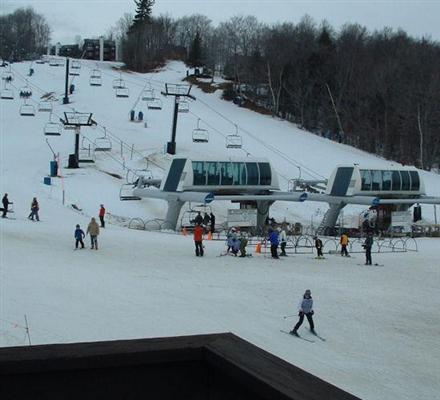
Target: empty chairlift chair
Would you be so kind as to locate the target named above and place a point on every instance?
(118, 83)
(7, 93)
(200, 135)
(234, 141)
(183, 106)
(45, 106)
(95, 78)
(102, 144)
(52, 129)
(75, 64)
(148, 94)
(155, 104)
(122, 92)
(27, 110)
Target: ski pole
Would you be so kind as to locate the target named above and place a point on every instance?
(290, 316)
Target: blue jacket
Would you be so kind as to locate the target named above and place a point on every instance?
(79, 234)
(273, 238)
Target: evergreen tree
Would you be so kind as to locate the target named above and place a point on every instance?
(195, 53)
(143, 13)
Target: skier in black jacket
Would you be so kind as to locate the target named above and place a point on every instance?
(5, 202)
(319, 246)
(368, 244)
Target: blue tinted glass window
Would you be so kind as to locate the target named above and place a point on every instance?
(242, 174)
(213, 173)
(386, 180)
(415, 180)
(265, 174)
(199, 173)
(252, 173)
(396, 180)
(366, 179)
(406, 182)
(226, 173)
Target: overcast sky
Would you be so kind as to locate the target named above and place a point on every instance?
(91, 18)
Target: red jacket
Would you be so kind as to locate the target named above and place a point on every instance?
(198, 233)
(101, 211)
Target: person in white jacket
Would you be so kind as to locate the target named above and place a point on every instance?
(305, 308)
(283, 241)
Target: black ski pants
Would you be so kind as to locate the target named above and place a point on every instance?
(344, 251)
(283, 248)
(301, 320)
(274, 250)
(102, 222)
(368, 256)
(319, 250)
(79, 241)
(199, 248)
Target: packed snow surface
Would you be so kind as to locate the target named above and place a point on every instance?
(381, 324)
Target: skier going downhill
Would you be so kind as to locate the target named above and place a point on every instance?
(305, 308)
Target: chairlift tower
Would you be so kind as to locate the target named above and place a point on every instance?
(75, 120)
(178, 91)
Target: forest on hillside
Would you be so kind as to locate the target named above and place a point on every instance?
(378, 91)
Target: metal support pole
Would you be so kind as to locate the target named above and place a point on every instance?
(77, 133)
(171, 147)
(66, 89)
(435, 214)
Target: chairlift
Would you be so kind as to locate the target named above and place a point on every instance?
(234, 141)
(148, 95)
(122, 92)
(8, 76)
(73, 72)
(200, 135)
(183, 106)
(96, 73)
(95, 81)
(85, 153)
(102, 144)
(25, 92)
(132, 176)
(155, 104)
(27, 110)
(52, 129)
(45, 106)
(126, 192)
(119, 83)
(7, 93)
(75, 64)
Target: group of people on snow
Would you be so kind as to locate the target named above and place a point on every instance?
(206, 220)
(92, 230)
(35, 207)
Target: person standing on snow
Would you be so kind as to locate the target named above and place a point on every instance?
(198, 239)
(101, 215)
(319, 247)
(79, 236)
(368, 244)
(274, 242)
(344, 243)
(5, 203)
(93, 230)
(243, 244)
(206, 219)
(212, 218)
(34, 210)
(283, 241)
(198, 220)
(305, 308)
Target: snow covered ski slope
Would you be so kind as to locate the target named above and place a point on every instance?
(380, 324)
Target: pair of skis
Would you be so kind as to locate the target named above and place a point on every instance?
(303, 338)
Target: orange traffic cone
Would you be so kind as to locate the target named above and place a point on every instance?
(209, 235)
(258, 248)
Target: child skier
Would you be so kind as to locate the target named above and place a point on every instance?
(198, 239)
(305, 308)
(319, 246)
(344, 243)
(34, 210)
(79, 236)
